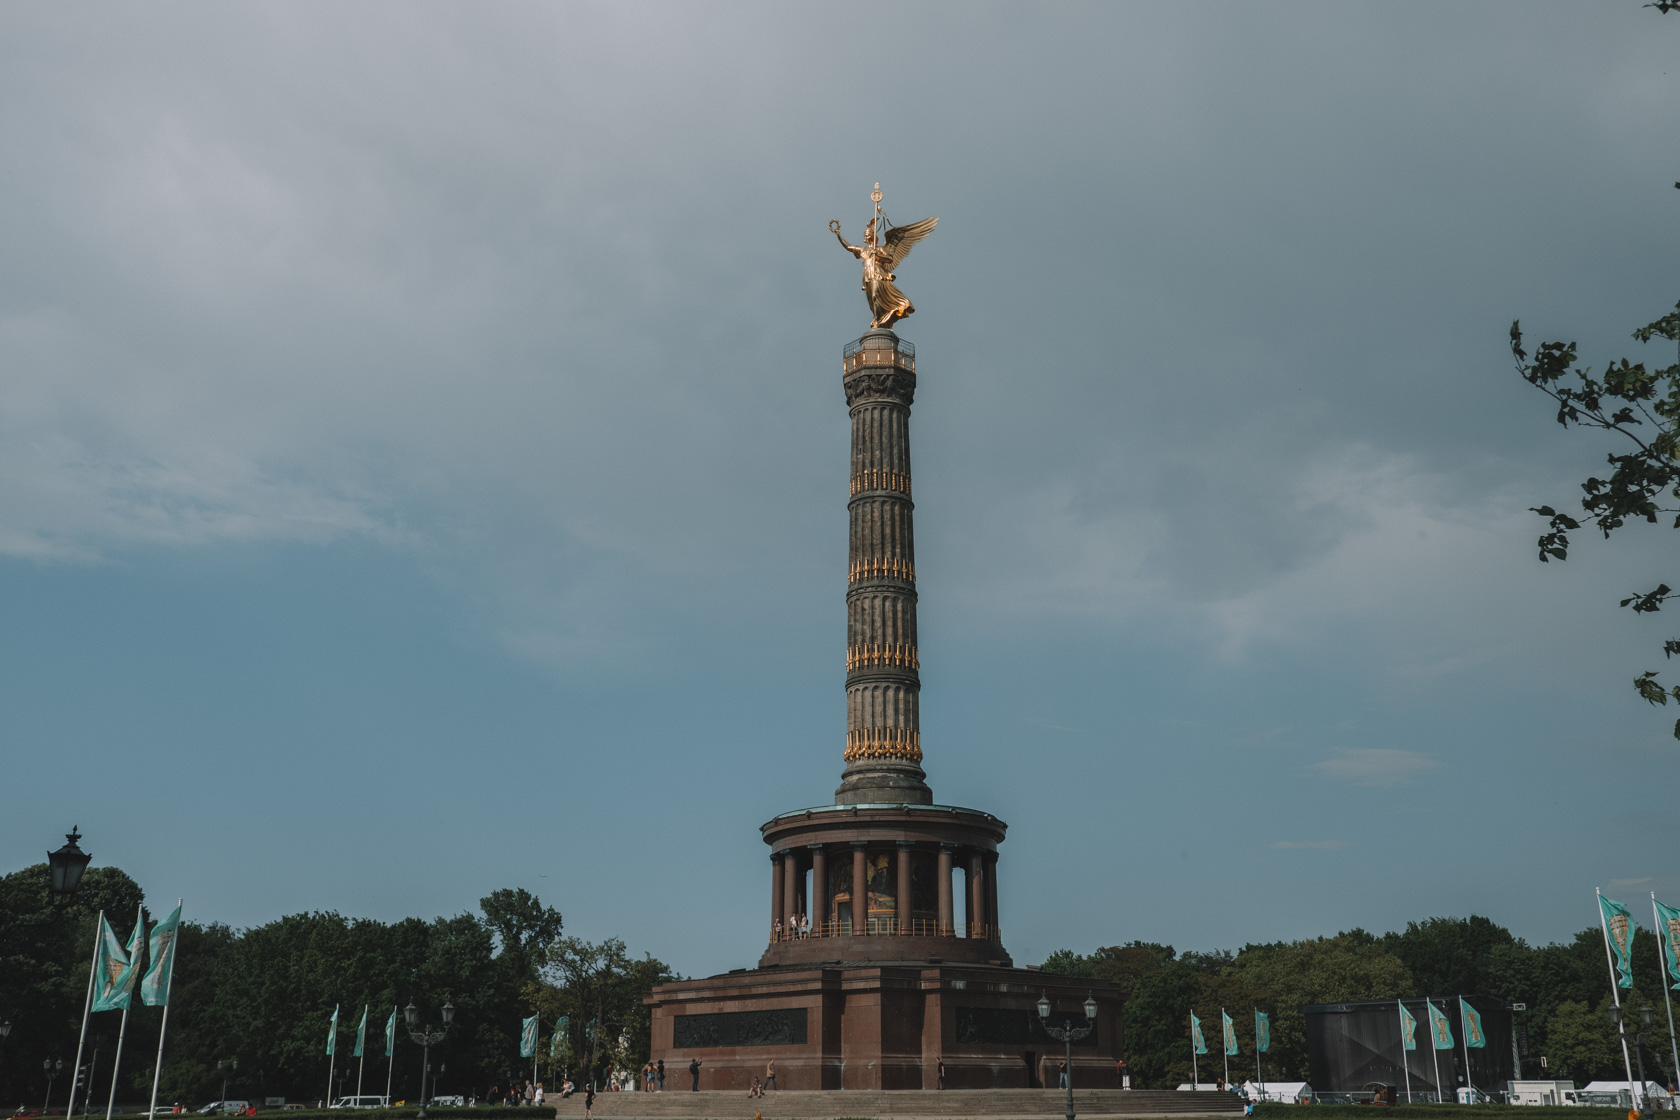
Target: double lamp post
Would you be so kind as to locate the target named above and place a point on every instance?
(1643, 1100)
(1068, 1034)
(424, 1037)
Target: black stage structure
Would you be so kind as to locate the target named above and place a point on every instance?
(1351, 1046)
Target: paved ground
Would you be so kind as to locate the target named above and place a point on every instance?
(968, 1104)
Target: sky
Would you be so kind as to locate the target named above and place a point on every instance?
(424, 453)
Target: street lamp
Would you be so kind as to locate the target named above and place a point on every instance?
(1638, 1038)
(425, 1037)
(1068, 1034)
(66, 866)
(52, 1070)
(227, 1066)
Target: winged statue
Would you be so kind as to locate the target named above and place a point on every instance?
(881, 256)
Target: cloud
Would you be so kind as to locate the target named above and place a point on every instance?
(1631, 882)
(1309, 845)
(1375, 766)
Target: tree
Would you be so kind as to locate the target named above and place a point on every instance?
(1450, 955)
(600, 987)
(1581, 1043)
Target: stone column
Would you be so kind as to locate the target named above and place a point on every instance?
(819, 889)
(776, 914)
(860, 890)
(947, 919)
(903, 888)
(976, 893)
(992, 893)
(790, 892)
(883, 686)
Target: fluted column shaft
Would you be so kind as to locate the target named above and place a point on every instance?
(776, 914)
(947, 919)
(903, 887)
(976, 894)
(860, 890)
(819, 888)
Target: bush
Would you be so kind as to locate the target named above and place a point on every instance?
(1274, 1111)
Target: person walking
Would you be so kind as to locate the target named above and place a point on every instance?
(659, 1074)
(1061, 1072)
(694, 1071)
(941, 1083)
(589, 1101)
(539, 1100)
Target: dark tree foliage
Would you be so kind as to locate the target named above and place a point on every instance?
(264, 996)
(1566, 988)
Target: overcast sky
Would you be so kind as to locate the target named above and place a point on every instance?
(424, 453)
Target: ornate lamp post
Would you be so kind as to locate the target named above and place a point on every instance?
(424, 1037)
(66, 866)
(228, 1066)
(1068, 1034)
(1638, 1038)
(52, 1070)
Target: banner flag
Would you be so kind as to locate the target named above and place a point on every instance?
(557, 1040)
(1262, 1032)
(1230, 1032)
(1408, 1027)
(1439, 1027)
(1473, 1035)
(332, 1031)
(122, 968)
(528, 1038)
(109, 962)
(361, 1033)
(1670, 934)
(1196, 1034)
(1619, 928)
(391, 1034)
(154, 988)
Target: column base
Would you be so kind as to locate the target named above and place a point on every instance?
(883, 783)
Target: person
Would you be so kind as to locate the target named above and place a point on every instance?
(770, 1074)
(495, 1094)
(647, 1077)
(941, 1073)
(694, 1071)
(757, 1089)
(659, 1074)
(567, 1088)
(539, 1096)
(805, 926)
(1061, 1074)
(776, 931)
(1248, 1108)
(1124, 1074)
(589, 1101)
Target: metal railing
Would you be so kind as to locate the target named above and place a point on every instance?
(878, 342)
(889, 927)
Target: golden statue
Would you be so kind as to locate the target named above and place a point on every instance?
(886, 303)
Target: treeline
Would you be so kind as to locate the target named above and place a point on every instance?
(1566, 988)
(264, 995)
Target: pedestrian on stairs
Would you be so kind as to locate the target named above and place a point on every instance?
(694, 1071)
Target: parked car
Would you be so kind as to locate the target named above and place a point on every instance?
(225, 1108)
(447, 1102)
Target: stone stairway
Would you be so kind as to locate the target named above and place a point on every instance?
(882, 1105)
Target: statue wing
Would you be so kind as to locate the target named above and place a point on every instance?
(901, 239)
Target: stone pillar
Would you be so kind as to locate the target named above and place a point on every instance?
(860, 890)
(819, 889)
(903, 888)
(883, 685)
(776, 914)
(992, 894)
(790, 892)
(947, 919)
(976, 893)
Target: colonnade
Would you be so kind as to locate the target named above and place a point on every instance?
(789, 901)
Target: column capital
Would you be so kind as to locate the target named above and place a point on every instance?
(906, 844)
(860, 844)
(816, 847)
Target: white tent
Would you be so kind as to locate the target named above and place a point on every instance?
(1288, 1092)
(1655, 1091)
(1199, 1087)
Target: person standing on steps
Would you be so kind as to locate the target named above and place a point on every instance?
(589, 1101)
(1123, 1074)
(694, 1071)
(659, 1074)
(770, 1074)
(1061, 1073)
(941, 1082)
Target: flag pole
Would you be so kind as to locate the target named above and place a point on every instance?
(361, 1044)
(1225, 1031)
(332, 1058)
(1405, 1064)
(76, 1073)
(1434, 1051)
(1615, 994)
(163, 1029)
(1662, 970)
(1195, 1077)
(1464, 1038)
(390, 1058)
(138, 939)
(1259, 1070)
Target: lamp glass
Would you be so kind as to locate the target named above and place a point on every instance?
(1044, 1006)
(448, 1014)
(65, 866)
(1647, 1014)
(1090, 1007)
(411, 1014)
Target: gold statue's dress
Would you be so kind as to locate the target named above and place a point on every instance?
(886, 303)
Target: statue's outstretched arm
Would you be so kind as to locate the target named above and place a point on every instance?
(850, 248)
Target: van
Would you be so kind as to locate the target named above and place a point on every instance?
(361, 1102)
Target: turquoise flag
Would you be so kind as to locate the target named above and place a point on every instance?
(361, 1033)
(1439, 1027)
(109, 960)
(1262, 1032)
(1618, 930)
(1230, 1032)
(1408, 1027)
(122, 967)
(1196, 1034)
(1669, 929)
(154, 987)
(528, 1037)
(332, 1031)
(557, 1041)
(391, 1034)
(1473, 1035)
